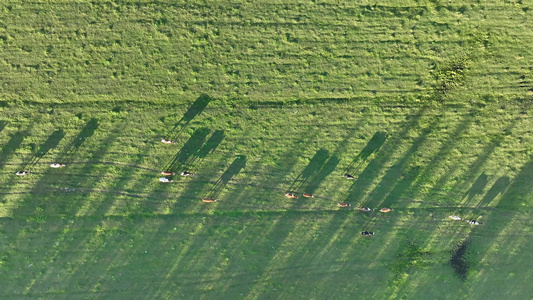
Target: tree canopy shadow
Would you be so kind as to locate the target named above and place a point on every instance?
(68, 153)
(497, 188)
(10, 147)
(188, 150)
(477, 188)
(459, 262)
(194, 110)
(371, 147)
(51, 142)
(236, 166)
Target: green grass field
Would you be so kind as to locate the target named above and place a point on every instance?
(428, 103)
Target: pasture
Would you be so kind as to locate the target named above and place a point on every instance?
(428, 103)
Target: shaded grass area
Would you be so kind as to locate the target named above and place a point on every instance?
(254, 241)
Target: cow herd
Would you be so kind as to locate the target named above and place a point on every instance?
(292, 195)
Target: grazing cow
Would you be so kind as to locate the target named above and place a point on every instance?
(167, 173)
(309, 195)
(185, 173)
(386, 210)
(291, 195)
(365, 209)
(208, 200)
(348, 176)
(164, 179)
(22, 173)
(367, 233)
(340, 204)
(473, 222)
(165, 141)
(455, 217)
(57, 165)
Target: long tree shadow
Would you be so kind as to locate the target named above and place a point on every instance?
(51, 142)
(375, 143)
(194, 110)
(236, 166)
(476, 189)
(68, 153)
(190, 149)
(314, 166)
(10, 147)
(496, 189)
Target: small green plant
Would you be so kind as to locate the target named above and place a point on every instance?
(412, 256)
(451, 74)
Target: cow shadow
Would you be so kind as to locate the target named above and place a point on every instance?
(68, 153)
(328, 167)
(10, 147)
(476, 188)
(375, 143)
(51, 142)
(194, 110)
(2, 125)
(313, 168)
(208, 147)
(190, 149)
(496, 189)
(236, 166)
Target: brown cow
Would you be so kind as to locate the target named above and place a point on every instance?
(165, 141)
(208, 200)
(340, 204)
(291, 195)
(168, 173)
(386, 210)
(309, 195)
